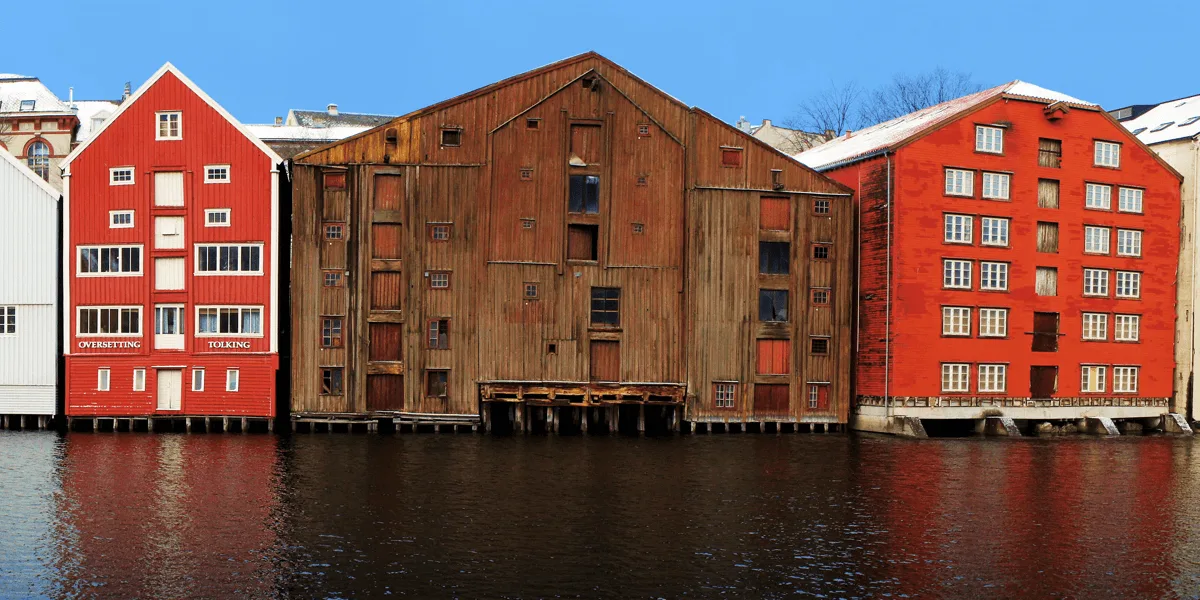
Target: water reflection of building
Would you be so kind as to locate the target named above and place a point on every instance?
(163, 516)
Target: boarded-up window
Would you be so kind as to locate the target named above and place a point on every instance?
(168, 188)
(775, 213)
(771, 399)
(1049, 153)
(773, 257)
(1047, 237)
(605, 360)
(1045, 332)
(731, 157)
(1047, 193)
(335, 181)
(386, 342)
(820, 346)
(586, 145)
(774, 357)
(389, 190)
(581, 242)
(385, 241)
(385, 290)
(1047, 281)
(168, 273)
(168, 233)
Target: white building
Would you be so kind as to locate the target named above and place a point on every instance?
(1172, 129)
(28, 295)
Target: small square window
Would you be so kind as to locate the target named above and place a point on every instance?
(533, 123)
(552, 348)
(821, 251)
(335, 181)
(452, 136)
(8, 320)
(28, 106)
(439, 232)
(820, 296)
(170, 126)
(216, 174)
(642, 180)
(331, 332)
(638, 228)
(643, 129)
(439, 280)
(216, 217)
(731, 157)
(120, 219)
(331, 381)
(820, 346)
(335, 231)
(333, 279)
(526, 173)
(120, 176)
(527, 223)
(531, 290)
(820, 207)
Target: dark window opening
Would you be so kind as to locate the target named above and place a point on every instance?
(821, 251)
(439, 334)
(773, 306)
(643, 129)
(531, 290)
(1043, 381)
(533, 123)
(451, 136)
(820, 297)
(642, 180)
(585, 194)
(638, 228)
(731, 157)
(821, 207)
(335, 231)
(331, 381)
(331, 332)
(581, 242)
(606, 307)
(1045, 332)
(333, 279)
(439, 233)
(527, 223)
(552, 348)
(773, 257)
(389, 136)
(820, 346)
(437, 384)
(526, 173)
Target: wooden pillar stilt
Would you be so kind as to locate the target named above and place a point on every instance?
(554, 419)
(487, 419)
(583, 421)
(225, 425)
(245, 424)
(519, 417)
(270, 425)
(641, 419)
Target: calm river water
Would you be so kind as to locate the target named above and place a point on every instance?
(733, 515)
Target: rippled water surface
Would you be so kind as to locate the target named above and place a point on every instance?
(759, 516)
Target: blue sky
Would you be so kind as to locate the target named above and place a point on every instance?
(758, 59)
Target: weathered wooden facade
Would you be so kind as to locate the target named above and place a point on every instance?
(568, 248)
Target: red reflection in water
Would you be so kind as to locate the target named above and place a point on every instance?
(140, 516)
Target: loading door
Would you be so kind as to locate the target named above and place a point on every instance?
(605, 360)
(1045, 332)
(170, 389)
(1043, 382)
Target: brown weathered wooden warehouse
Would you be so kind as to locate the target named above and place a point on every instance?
(570, 248)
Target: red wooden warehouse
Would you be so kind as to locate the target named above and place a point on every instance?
(170, 253)
(1018, 251)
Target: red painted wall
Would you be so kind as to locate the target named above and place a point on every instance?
(208, 139)
(919, 204)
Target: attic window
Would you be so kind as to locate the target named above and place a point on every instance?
(1139, 130)
(28, 105)
(731, 157)
(526, 173)
(1163, 126)
(389, 136)
(533, 123)
(643, 129)
(639, 228)
(1189, 121)
(451, 136)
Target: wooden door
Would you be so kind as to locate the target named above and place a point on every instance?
(386, 289)
(774, 357)
(169, 273)
(605, 360)
(168, 233)
(1045, 332)
(385, 392)
(586, 145)
(168, 188)
(385, 342)
(1043, 381)
(170, 389)
(770, 399)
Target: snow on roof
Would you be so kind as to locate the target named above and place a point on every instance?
(270, 133)
(15, 89)
(1177, 119)
(886, 135)
(90, 110)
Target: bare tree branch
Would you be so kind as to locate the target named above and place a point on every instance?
(833, 109)
(908, 93)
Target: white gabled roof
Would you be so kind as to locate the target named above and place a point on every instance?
(21, 169)
(885, 136)
(14, 89)
(170, 68)
(1173, 115)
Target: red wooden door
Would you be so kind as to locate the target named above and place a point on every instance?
(1045, 332)
(605, 361)
(385, 342)
(385, 392)
(774, 357)
(771, 399)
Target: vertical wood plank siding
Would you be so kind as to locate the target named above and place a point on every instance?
(677, 235)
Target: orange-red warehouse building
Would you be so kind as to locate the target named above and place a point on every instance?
(1018, 251)
(170, 256)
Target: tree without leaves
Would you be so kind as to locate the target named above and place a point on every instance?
(833, 109)
(908, 93)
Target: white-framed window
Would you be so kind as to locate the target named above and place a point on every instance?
(1095, 239)
(168, 319)
(8, 320)
(995, 185)
(993, 322)
(960, 182)
(1108, 154)
(139, 380)
(992, 378)
(216, 173)
(233, 379)
(109, 261)
(956, 377)
(1095, 282)
(989, 139)
(439, 280)
(1129, 284)
(103, 379)
(170, 125)
(197, 380)
(993, 231)
(956, 273)
(959, 229)
(993, 276)
(1129, 200)
(120, 176)
(1125, 380)
(120, 219)
(956, 320)
(1095, 326)
(229, 321)
(724, 394)
(216, 217)
(1129, 242)
(1126, 328)
(1093, 379)
(814, 396)
(108, 321)
(1098, 196)
(229, 259)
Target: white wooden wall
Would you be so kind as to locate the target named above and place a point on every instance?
(28, 279)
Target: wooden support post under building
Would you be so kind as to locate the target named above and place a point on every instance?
(642, 419)
(245, 424)
(583, 421)
(270, 425)
(487, 419)
(553, 419)
(519, 418)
